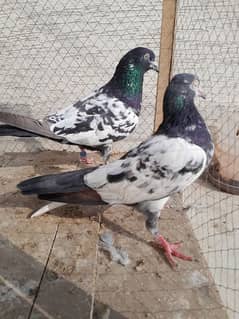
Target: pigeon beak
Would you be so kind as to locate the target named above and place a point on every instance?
(153, 66)
(200, 93)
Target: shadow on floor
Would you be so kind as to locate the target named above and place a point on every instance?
(17, 200)
(59, 298)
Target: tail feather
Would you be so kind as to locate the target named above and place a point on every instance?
(27, 124)
(84, 196)
(7, 130)
(66, 187)
(67, 182)
(45, 209)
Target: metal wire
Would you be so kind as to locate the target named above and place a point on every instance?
(56, 52)
(206, 43)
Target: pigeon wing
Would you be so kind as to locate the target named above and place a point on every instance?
(100, 119)
(155, 169)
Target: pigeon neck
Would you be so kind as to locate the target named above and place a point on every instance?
(182, 119)
(179, 109)
(127, 85)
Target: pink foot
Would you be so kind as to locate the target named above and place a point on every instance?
(170, 250)
(84, 158)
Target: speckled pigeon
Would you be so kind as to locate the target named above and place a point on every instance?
(145, 178)
(109, 114)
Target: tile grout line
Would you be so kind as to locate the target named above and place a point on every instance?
(43, 273)
(95, 273)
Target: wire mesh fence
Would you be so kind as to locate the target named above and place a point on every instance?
(206, 43)
(55, 52)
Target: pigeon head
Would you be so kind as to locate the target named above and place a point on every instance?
(127, 81)
(139, 58)
(179, 110)
(187, 84)
(180, 115)
(180, 93)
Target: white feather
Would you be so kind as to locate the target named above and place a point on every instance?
(123, 121)
(172, 153)
(46, 208)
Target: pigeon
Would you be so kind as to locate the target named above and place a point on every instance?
(146, 176)
(107, 115)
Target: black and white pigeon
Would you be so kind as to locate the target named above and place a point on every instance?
(145, 178)
(109, 114)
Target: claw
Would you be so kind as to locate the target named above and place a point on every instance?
(171, 250)
(86, 160)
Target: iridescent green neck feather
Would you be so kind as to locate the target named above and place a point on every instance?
(179, 102)
(132, 81)
(127, 85)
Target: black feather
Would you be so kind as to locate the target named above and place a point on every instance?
(8, 130)
(115, 178)
(56, 183)
(84, 197)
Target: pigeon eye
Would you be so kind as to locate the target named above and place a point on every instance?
(147, 57)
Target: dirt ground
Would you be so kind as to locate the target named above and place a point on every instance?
(52, 267)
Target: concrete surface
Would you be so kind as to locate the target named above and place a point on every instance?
(51, 266)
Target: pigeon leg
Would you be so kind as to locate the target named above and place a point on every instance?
(106, 151)
(84, 158)
(151, 210)
(170, 250)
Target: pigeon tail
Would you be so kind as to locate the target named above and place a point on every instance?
(85, 196)
(66, 187)
(24, 126)
(8, 130)
(67, 182)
